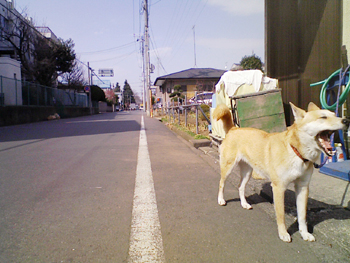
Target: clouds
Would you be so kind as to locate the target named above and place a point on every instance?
(239, 7)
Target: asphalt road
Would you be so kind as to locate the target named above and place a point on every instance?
(67, 190)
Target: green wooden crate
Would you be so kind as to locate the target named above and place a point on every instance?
(262, 110)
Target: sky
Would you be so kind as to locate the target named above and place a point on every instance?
(183, 33)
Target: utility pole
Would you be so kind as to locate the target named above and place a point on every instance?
(144, 98)
(90, 84)
(147, 86)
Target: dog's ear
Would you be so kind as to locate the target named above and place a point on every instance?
(297, 112)
(312, 106)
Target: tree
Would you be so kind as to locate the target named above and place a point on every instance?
(73, 80)
(44, 70)
(251, 62)
(19, 33)
(128, 94)
(53, 59)
(177, 94)
(65, 56)
(97, 93)
(117, 88)
(110, 96)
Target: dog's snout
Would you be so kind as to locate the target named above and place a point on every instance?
(346, 122)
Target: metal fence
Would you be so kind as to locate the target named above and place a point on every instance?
(15, 92)
(184, 108)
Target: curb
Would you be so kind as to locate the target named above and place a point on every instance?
(200, 143)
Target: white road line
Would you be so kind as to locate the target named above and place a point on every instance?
(146, 244)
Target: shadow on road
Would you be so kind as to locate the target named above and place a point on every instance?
(318, 211)
(91, 125)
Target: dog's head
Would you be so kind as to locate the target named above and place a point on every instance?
(319, 124)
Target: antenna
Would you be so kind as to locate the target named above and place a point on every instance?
(194, 45)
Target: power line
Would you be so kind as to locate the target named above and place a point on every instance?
(179, 41)
(110, 49)
(92, 71)
(121, 56)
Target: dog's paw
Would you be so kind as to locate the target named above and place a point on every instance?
(245, 205)
(285, 237)
(307, 236)
(221, 202)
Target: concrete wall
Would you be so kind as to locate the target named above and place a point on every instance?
(11, 85)
(103, 107)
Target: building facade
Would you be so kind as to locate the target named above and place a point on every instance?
(190, 80)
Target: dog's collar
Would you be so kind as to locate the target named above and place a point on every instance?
(298, 154)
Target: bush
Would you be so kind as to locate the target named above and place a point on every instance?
(251, 62)
(206, 110)
(97, 94)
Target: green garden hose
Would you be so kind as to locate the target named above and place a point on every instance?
(342, 97)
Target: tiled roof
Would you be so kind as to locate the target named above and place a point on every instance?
(192, 73)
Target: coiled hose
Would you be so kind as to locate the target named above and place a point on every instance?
(323, 93)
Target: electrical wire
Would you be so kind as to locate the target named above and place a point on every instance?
(110, 49)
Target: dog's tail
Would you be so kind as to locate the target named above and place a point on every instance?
(222, 112)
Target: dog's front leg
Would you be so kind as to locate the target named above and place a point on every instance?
(302, 194)
(278, 199)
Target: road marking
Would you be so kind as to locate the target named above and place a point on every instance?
(146, 244)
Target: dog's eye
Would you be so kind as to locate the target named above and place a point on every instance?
(324, 117)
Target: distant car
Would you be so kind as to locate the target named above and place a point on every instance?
(202, 98)
(117, 108)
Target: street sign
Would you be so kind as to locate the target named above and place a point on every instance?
(87, 89)
(106, 73)
(105, 84)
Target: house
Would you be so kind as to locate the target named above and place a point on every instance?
(191, 80)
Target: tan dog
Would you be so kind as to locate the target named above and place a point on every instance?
(284, 158)
(54, 117)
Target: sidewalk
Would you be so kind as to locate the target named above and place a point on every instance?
(328, 206)
(328, 213)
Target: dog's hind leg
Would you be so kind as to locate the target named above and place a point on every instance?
(246, 173)
(225, 171)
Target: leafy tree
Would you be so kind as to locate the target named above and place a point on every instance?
(64, 55)
(54, 59)
(117, 88)
(128, 94)
(177, 94)
(44, 70)
(97, 93)
(110, 96)
(42, 60)
(251, 62)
